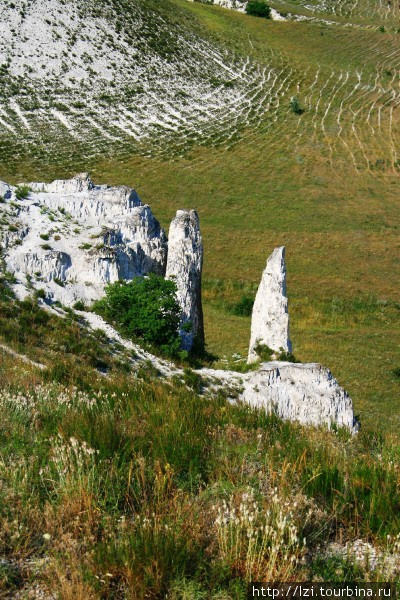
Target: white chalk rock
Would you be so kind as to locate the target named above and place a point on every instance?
(307, 393)
(270, 318)
(184, 266)
(94, 234)
(143, 234)
(79, 183)
(239, 5)
(51, 265)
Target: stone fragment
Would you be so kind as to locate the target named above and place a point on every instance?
(307, 393)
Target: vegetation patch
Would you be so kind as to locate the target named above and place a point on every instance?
(258, 8)
(145, 309)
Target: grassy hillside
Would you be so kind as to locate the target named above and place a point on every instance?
(324, 183)
(114, 487)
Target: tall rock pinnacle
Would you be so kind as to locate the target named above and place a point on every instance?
(270, 319)
(184, 266)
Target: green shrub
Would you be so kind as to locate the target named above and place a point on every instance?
(40, 293)
(22, 192)
(146, 309)
(79, 305)
(258, 8)
(263, 351)
(295, 106)
(287, 356)
(266, 353)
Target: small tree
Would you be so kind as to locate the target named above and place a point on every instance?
(295, 106)
(146, 308)
(258, 8)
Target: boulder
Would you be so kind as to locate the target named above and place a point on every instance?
(307, 393)
(184, 266)
(270, 318)
(304, 393)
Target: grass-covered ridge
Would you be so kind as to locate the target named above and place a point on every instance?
(116, 487)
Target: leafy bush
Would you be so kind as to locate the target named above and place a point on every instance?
(22, 192)
(263, 351)
(146, 309)
(40, 293)
(258, 8)
(287, 356)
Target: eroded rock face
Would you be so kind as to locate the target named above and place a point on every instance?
(270, 318)
(184, 266)
(79, 183)
(239, 5)
(82, 235)
(52, 265)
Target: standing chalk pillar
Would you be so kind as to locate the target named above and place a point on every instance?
(270, 318)
(184, 266)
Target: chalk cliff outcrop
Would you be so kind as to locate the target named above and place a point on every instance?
(71, 237)
(184, 266)
(270, 318)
